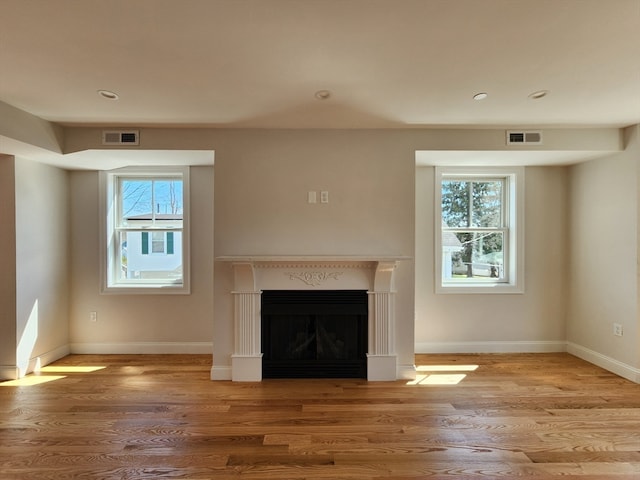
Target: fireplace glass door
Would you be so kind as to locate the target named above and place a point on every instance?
(314, 334)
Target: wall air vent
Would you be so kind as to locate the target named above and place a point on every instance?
(118, 137)
(529, 137)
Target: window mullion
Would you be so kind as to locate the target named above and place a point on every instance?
(153, 202)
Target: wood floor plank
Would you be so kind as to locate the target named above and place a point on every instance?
(469, 417)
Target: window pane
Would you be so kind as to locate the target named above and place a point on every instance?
(455, 203)
(151, 202)
(135, 264)
(473, 255)
(487, 204)
(157, 242)
(135, 200)
(168, 197)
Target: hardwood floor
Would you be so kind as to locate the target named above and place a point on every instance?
(470, 417)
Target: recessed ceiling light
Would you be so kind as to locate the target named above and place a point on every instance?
(108, 94)
(322, 94)
(480, 96)
(539, 94)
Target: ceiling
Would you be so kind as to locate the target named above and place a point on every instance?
(386, 63)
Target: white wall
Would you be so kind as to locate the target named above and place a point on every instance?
(42, 257)
(604, 252)
(533, 321)
(140, 323)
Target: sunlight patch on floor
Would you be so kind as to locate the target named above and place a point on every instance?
(31, 380)
(438, 379)
(446, 368)
(441, 374)
(70, 369)
(41, 376)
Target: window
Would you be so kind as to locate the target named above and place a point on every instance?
(479, 230)
(145, 236)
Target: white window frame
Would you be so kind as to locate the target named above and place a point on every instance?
(513, 281)
(110, 284)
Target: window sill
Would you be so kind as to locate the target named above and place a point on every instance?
(146, 290)
(495, 289)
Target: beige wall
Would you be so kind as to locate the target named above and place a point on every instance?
(261, 184)
(139, 323)
(261, 208)
(42, 258)
(7, 268)
(34, 243)
(603, 254)
(533, 321)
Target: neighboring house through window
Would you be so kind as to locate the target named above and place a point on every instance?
(145, 230)
(479, 230)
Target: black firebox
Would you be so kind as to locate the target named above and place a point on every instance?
(314, 334)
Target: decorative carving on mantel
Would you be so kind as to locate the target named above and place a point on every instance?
(344, 264)
(313, 278)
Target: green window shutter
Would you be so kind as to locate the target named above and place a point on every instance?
(145, 243)
(169, 243)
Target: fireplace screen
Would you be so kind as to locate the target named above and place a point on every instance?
(314, 334)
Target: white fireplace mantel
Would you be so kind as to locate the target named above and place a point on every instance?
(254, 273)
(312, 258)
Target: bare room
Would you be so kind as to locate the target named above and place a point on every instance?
(319, 239)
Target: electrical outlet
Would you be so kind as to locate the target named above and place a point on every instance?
(324, 196)
(93, 316)
(617, 330)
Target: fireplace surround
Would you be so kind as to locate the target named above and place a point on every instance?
(256, 273)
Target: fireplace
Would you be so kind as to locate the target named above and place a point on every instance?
(254, 276)
(314, 334)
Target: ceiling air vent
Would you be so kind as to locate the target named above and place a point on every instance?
(113, 137)
(524, 137)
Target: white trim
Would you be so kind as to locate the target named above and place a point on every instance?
(406, 372)
(515, 260)
(603, 361)
(134, 348)
(221, 373)
(48, 357)
(9, 372)
(524, 346)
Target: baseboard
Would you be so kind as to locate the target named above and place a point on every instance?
(492, 347)
(603, 361)
(406, 372)
(142, 348)
(8, 372)
(48, 357)
(13, 372)
(221, 373)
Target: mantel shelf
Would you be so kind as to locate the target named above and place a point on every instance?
(312, 258)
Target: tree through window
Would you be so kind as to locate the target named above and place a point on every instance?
(472, 210)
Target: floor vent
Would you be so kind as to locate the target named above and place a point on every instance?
(113, 137)
(529, 137)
